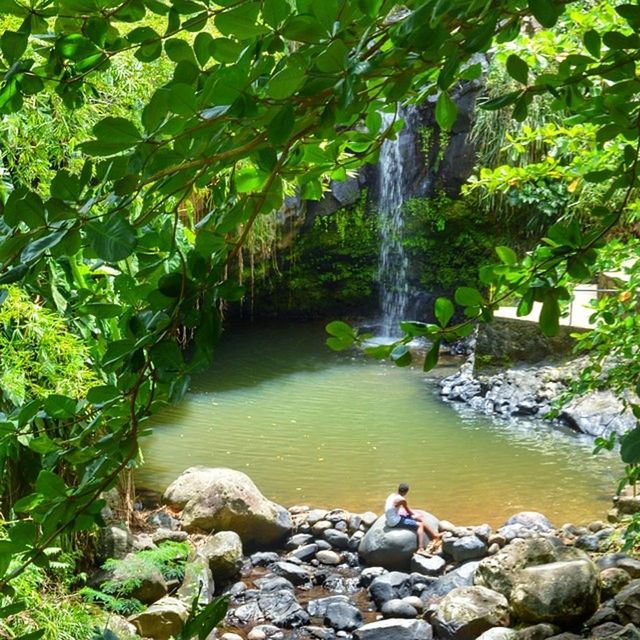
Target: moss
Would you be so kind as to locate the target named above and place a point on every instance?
(330, 269)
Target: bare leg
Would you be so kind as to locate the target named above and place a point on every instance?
(431, 532)
(420, 536)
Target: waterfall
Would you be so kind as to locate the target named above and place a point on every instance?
(394, 188)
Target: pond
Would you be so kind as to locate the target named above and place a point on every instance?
(310, 426)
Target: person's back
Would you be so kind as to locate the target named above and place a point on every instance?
(391, 509)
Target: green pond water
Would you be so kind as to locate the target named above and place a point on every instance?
(313, 427)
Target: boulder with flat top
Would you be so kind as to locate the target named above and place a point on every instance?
(219, 499)
(391, 547)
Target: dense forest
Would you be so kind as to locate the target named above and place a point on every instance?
(167, 166)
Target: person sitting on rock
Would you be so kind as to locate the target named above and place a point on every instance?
(398, 514)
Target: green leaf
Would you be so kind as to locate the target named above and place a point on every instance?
(59, 406)
(507, 255)
(50, 485)
(443, 311)
(113, 136)
(241, 22)
(592, 42)
(630, 447)
(501, 101)
(13, 44)
(446, 111)
(550, 315)
(43, 445)
(340, 330)
(401, 355)
(518, 69)
(431, 359)
(275, 12)
(545, 12)
(286, 82)
(102, 394)
(113, 238)
(281, 126)
(467, 297)
(339, 344)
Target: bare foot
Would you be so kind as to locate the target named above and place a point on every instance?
(423, 552)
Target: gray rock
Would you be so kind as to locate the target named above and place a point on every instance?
(120, 627)
(317, 633)
(390, 547)
(337, 539)
(395, 629)
(163, 520)
(530, 520)
(318, 607)
(320, 527)
(612, 581)
(162, 620)
(539, 631)
(143, 542)
(467, 612)
(563, 593)
(315, 515)
(330, 558)
(627, 603)
(198, 579)
(168, 535)
(427, 566)
(588, 543)
(606, 613)
(265, 632)
(224, 554)
(598, 414)
(463, 576)
(305, 552)
(368, 575)
(390, 586)
(277, 607)
(465, 548)
(398, 609)
(295, 574)
(264, 558)
(630, 565)
(298, 540)
(368, 519)
(499, 633)
(273, 583)
(149, 582)
(342, 616)
(226, 500)
(114, 542)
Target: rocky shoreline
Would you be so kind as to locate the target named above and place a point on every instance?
(315, 574)
(530, 390)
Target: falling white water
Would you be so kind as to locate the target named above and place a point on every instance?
(394, 189)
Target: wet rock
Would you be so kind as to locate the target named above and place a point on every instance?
(273, 583)
(598, 414)
(265, 632)
(320, 527)
(162, 620)
(279, 608)
(224, 553)
(295, 574)
(399, 609)
(264, 558)
(467, 612)
(298, 540)
(588, 543)
(231, 636)
(390, 586)
(606, 613)
(530, 520)
(317, 633)
(342, 616)
(368, 519)
(630, 565)
(368, 575)
(391, 547)
(395, 629)
(305, 552)
(563, 593)
(318, 607)
(315, 515)
(227, 500)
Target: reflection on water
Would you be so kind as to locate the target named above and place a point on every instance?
(314, 427)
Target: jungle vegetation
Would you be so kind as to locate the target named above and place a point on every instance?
(144, 141)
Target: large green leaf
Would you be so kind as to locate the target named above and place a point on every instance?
(241, 21)
(112, 238)
(446, 111)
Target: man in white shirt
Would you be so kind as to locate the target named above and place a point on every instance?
(398, 514)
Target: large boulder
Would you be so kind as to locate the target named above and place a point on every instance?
(562, 593)
(219, 499)
(162, 620)
(278, 607)
(391, 547)
(396, 629)
(114, 542)
(466, 612)
(499, 572)
(146, 582)
(224, 553)
(463, 576)
(627, 603)
(390, 586)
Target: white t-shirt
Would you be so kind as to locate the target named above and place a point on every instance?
(391, 509)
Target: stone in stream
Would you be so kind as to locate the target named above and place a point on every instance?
(337, 539)
(276, 607)
(563, 593)
(467, 612)
(612, 581)
(462, 576)
(328, 557)
(296, 574)
(627, 603)
(298, 540)
(342, 616)
(391, 547)
(395, 629)
(273, 583)
(390, 586)
(318, 607)
(432, 566)
(368, 575)
(499, 633)
(630, 565)
(264, 558)
(305, 552)
(399, 608)
(226, 500)
(265, 632)
(162, 620)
